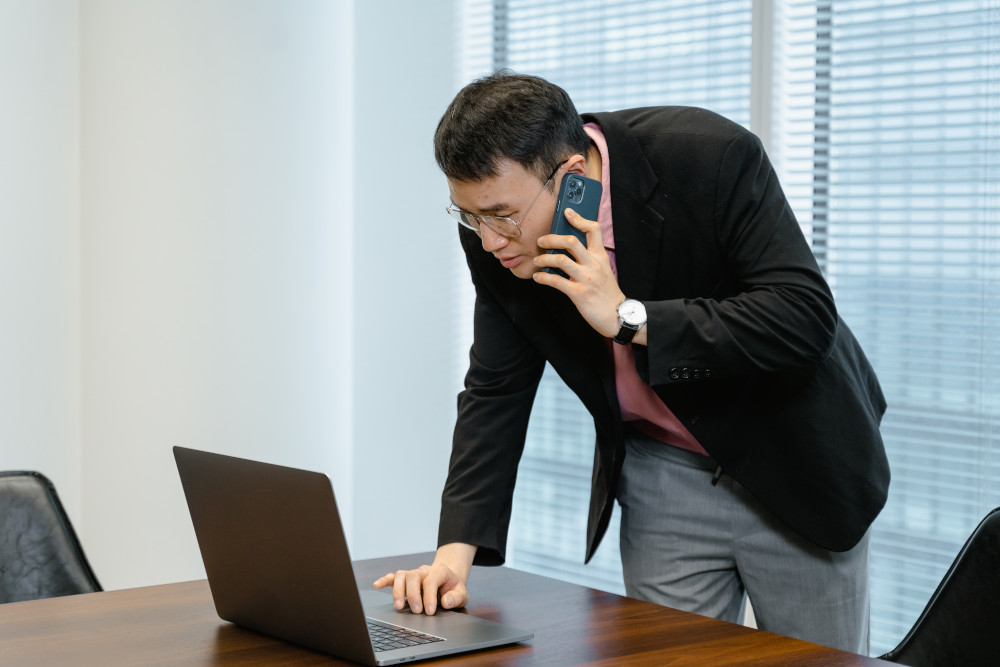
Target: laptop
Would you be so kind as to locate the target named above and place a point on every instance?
(277, 562)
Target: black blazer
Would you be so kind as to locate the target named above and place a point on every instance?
(745, 345)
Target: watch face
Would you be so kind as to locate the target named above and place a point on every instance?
(632, 312)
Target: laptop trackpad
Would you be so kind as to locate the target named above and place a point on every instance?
(455, 627)
(373, 597)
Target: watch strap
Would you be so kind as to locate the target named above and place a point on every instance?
(625, 334)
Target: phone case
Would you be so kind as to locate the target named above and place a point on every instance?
(581, 194)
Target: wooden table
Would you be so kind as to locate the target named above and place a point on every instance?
(176, 624)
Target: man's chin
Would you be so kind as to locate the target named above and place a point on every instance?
(525, 270)
(522, 266)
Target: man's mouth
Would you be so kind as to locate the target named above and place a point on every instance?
(510, 262)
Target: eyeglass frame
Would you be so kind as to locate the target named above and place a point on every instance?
(457, 214)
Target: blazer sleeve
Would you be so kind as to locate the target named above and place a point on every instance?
(490, 430)
(771, 310)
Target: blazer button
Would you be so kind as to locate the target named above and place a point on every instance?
(696, 374)
(675, 373)
(686, 373)
(707, 373)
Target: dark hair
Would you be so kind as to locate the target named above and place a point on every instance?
(508, 116)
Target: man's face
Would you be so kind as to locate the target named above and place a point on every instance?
(509, 194)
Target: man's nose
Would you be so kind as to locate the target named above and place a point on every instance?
(491, 240)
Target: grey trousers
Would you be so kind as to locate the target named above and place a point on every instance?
(689, 545)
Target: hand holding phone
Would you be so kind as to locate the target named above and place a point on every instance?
(581, 194)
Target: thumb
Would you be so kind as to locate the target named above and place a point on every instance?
(456, 597)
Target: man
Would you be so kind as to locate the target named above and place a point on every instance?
(736, 416)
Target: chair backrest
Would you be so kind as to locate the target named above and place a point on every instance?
(958, 625)
(40, 555)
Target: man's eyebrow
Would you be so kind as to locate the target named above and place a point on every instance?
(490, 210)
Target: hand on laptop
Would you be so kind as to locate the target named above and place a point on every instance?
(445, 578)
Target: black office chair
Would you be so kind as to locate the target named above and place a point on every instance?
(959, 624)
(40, 555)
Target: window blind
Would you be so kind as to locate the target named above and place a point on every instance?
(889, 152)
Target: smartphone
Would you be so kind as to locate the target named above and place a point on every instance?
(581, 194)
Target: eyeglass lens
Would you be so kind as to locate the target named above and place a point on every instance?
(503, 226)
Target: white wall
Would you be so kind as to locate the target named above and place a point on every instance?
(39, 242)
(225, 281)
(404, 250)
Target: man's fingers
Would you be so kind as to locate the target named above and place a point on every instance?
(399, 589)
(443, 582)
(438, 580)
(416, 584)
(405, 586)
(430, 597)
(570, 244)
(421, 587)
(583, 224)
(581, 251)
(595, 238)
(568, 265)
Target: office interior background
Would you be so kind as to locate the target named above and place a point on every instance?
(221, 226)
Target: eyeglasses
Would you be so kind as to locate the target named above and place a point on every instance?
(502, 225)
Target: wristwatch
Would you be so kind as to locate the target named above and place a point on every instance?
(631, 317)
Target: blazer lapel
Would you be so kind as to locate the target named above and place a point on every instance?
(637, 225)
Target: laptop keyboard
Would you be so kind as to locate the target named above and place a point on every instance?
(386, 637)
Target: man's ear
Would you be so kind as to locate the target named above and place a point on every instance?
(576, 165)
